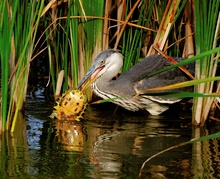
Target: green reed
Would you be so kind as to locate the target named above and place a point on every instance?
(75, 40)
(19, 22)
(133, 37)
(207, 17)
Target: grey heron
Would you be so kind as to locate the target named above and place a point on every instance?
(108, 64)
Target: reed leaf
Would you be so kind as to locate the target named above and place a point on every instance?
(161, 91)
(73, 9)
(7, 23)
(165, 94)
(181, 84)
(187, 61)
(133, 38)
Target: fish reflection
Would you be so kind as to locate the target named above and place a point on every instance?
(70, 135)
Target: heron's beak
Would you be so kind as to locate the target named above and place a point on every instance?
(90, 77)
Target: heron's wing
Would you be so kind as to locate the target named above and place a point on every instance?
(136, 77)
(150, 65)
(145, 67)
(163, 79)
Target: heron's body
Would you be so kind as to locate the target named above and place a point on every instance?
(108, 64)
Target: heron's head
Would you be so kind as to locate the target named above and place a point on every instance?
(108, 61)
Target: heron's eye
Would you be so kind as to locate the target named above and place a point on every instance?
(102, 62)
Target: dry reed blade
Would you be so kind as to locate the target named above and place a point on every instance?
(174, 62)
(125, 23)
(59, 84)
(167, 21)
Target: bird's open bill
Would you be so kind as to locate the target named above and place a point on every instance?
(90, 77)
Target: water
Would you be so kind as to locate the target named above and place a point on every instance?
(106, 145)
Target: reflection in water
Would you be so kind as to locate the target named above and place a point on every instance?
(70, 135)
(206, 158)
(117, 148)
(106, 146)
(13, 148)
(34, 132)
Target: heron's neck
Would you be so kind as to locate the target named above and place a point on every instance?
(106, 78)
(104, 82)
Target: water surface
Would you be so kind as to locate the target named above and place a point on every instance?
(106, 144)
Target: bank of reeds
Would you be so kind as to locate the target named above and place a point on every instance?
(207, 31)
(75, 31)
(19, 22)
